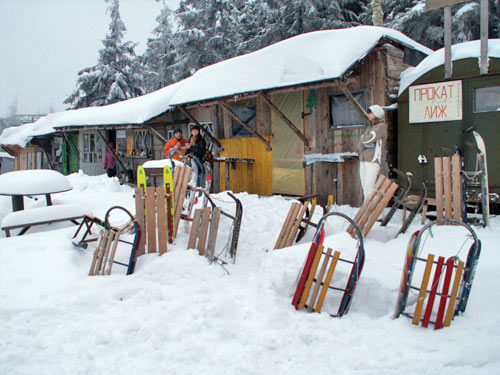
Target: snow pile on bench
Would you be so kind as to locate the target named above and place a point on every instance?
(44, 215)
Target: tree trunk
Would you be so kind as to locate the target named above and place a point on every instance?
(378, 14)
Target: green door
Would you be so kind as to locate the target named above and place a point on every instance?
(288, 149)
(482, 96)
(70, 157)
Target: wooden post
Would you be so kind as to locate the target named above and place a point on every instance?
(286, 120)
(484, 37)
(448, 67)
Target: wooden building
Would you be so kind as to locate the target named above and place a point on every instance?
(270, 116)
(301, 97)
(444, 111)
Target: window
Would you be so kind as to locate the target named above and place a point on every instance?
(487, 99)
(143, 143)
(92, 148)
(247, 114)
(342, 112)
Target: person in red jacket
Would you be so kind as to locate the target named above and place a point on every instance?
(177, 143)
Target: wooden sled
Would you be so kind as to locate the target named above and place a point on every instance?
(448, 280)
(373, 206)
(152, 215)
(105, 252)
(317, 275)
(298, 220)
(413, 203)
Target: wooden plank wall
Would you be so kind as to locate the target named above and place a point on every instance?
(255, 180)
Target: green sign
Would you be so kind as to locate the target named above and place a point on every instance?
(433, 4)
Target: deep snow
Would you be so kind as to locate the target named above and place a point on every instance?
(177, 314)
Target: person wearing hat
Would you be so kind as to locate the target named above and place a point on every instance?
(372, 149)
(176, 143)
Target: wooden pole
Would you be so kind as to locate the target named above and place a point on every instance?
(286, 120)
(355, 103)
(188, 115)
(484, 37)
(242, 122)
(448, 67)
(156, 133)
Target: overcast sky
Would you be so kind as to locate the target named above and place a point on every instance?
(44, 43)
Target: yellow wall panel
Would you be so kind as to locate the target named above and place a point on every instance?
(255, 180)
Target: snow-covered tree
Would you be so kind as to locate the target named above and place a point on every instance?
(207, 34)
(427, 26)
(116, 76)
(159, 55)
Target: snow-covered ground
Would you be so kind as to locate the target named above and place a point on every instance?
(179, 315)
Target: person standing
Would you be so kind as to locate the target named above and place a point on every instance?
(372, 149)
(110, 161)
(178, 142)
(196, 144)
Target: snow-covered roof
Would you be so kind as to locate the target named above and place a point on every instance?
(6, 155)
(132, 111)
(311, 57)
(306, 58)
(460, 51)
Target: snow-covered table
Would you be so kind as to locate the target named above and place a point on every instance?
(17, 184)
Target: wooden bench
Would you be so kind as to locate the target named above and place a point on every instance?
(26, 219)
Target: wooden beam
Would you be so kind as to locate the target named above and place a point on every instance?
(156, 133)
(433, 4)
(355, 103)
(286, 120)
(448, 64)
(191, 117)
(484, 37)
(242, 122)
(73, 147)
(112, 151)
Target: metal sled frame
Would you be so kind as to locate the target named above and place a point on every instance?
(303, 296)
(401, 200)
(460, 288)
(110, 237)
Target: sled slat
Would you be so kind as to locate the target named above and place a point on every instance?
(162, 220)
(151, 219)
(433, 292)
(444, 293)
(139, 215)
(327, 281)
(295, 225)
(194, 229)
(438, 176)
(457, 186)
(423, 289)
(447, 187)
(202, 240)
(319, 280)
(453, 295)
(310, 278)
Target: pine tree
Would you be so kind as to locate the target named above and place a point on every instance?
(116, 76)
(159, 55)
(427, 26)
